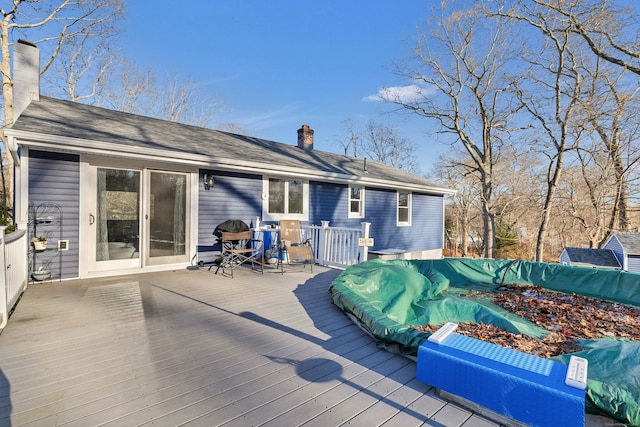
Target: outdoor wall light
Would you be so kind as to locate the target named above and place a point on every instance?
(208, 181)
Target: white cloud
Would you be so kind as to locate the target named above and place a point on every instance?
(402, 94)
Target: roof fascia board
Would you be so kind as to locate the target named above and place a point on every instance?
(84, 146)
(12, 146)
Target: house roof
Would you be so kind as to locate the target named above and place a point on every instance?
(630, 241)
(66, 125)
(596, 257)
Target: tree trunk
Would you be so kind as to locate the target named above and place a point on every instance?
(464, 231)
(5, 69)
(7, 94)
(623, 193)
(552, 185)
(489, 222)
(488, 217)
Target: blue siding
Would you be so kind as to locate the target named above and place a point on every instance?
(427, 222)
(238, 196)
(425, 232)
(564, 258)
(615, 245)
(55, 178)
(380, 210)
(233, 196)
(329, 202)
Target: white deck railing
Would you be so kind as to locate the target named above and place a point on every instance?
(14, 271)
(337, 246)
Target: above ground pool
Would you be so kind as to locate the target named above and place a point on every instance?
(386, 297)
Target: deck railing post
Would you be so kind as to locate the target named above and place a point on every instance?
(323, 243)
(4, 310)
(364, 250)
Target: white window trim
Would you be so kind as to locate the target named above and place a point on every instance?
(362, 198)
(403, 223)
(304, 216)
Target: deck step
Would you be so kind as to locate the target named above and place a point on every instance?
(520, 386)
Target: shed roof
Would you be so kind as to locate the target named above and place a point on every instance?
(630, 241)
(595, 257)
(118, 131)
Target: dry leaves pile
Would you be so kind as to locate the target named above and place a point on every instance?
(567, 316)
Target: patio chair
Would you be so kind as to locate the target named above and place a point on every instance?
(239, 248)
(293, 249)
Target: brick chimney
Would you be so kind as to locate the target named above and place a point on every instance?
(26, 76)
(305, 138)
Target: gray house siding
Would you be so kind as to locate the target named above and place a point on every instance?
(55, 178)
(615, 245)
(633, 263)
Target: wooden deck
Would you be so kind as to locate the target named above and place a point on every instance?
(191, 347)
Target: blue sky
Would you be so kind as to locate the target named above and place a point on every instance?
(282, 63)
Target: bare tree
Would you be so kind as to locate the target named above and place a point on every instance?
(53, 27)
(384, 144)
(84, 73)
(462, 85)
(551, 95)
(610, 107)
(379, 142)
(609, 30)
(588, 196)
(137, 90)
(131, 89)
(463, 208)
(585, 99)
(233, 127)
(350, 140)
(58, 28)
(185, 100)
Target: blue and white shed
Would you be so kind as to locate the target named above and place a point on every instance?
(626, 247)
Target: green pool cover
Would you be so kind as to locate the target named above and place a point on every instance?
(387, 296)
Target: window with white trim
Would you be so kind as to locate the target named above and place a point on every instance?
(286, 198)
(403, 216)
(356, 201)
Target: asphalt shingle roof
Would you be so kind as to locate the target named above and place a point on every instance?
(51, 116)
(598, 257)
(630, 241)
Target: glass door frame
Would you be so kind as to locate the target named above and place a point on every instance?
(93, 218)
(87, 265)
(159, 260)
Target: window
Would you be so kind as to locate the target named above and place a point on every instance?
(404, 208)
(356, 202)
(286, 198)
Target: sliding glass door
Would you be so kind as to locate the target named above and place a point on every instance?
(137, 218)
(167, 222)
(117, 218)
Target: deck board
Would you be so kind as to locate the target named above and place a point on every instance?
(191, 347)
